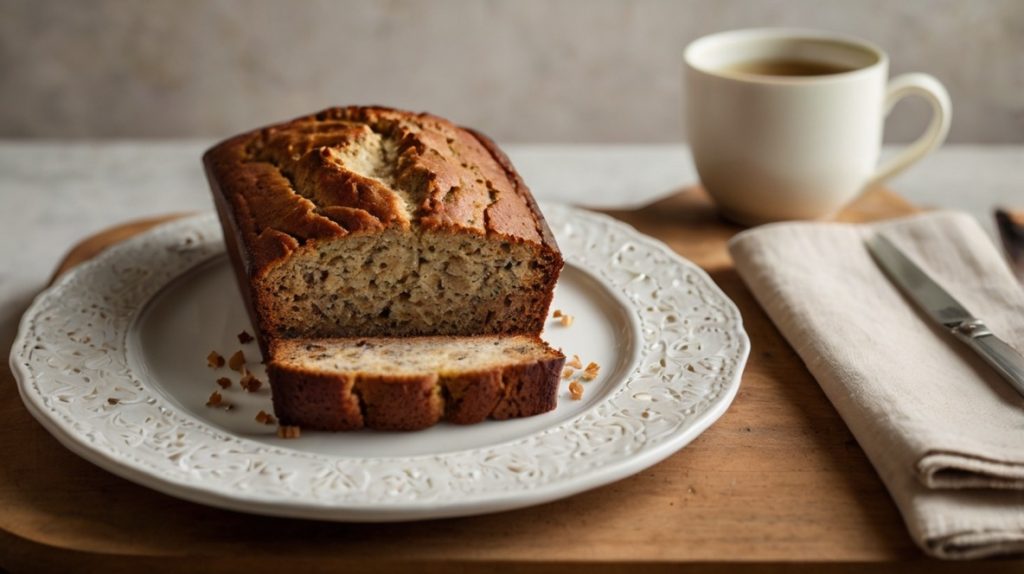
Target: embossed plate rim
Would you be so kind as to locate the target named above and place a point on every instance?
(506, 489)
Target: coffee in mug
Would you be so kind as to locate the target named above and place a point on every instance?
(785, 68)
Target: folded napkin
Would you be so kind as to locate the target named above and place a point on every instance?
(943, 430)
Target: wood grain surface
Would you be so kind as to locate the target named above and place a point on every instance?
(778, 483)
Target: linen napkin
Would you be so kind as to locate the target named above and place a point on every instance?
(944, 431)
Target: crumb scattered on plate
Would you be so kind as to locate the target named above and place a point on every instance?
(214, 360)
(249, 382)
(266, 418)
(215, 400)
(576, 390)
(237, 361)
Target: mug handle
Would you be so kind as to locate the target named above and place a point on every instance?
(930, 89)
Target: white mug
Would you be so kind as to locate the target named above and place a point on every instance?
(774, 147)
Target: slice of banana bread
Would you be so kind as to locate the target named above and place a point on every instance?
(367, 221)
(411, 383)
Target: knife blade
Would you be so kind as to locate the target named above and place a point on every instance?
(944, 309)
(1010, 224)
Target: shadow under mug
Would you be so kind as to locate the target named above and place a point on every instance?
(777, 147)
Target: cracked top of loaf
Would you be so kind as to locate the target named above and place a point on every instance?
(359, 170)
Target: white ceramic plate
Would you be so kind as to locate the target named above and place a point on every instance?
(136, 323)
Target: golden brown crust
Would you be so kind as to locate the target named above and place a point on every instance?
(530, 389)
(314, 400)
(399, 403)
(355, 169)
(335, 401)
(520, 187)
(471, 397)
(234, 240)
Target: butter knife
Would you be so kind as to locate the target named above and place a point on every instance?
(947, 311)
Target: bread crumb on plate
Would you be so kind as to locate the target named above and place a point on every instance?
(266, 418)
(214, 360)
(216, 400)
(237, 361)
(249, 382)
(576, 390)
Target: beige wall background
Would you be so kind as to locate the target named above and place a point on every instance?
(521, 70)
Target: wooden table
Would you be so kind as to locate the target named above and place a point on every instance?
(778, 483)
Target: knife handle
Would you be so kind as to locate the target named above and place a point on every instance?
(996, 352)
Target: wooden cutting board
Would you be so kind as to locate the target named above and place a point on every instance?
(779, 481)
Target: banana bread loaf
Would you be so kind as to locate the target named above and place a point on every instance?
(367, 221)
(411, 383)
